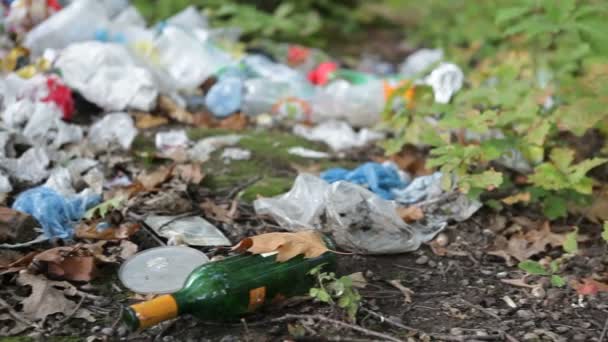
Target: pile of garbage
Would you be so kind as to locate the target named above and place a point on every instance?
(70, 59)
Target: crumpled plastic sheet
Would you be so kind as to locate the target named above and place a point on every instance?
(419, 189)
(5, 185)
(189, 61)
(189, 18)
(107, 75)
(169, 140)
(55, 213)
(193, 230)
(235, 153)
(339, 135)
(446, 80)
(307, 153)
(419, 61)
(31, 166)
(203, 149)
(76, 22)
(379, 178)
(359, 220)
(112, 129)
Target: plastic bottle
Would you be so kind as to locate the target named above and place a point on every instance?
(229, 288)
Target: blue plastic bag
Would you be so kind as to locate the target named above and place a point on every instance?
(225, 97)
(54, 212)
(379, 178)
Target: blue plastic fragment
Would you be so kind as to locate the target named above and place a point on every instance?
(379, 178)
(225, 97)
(54, 212)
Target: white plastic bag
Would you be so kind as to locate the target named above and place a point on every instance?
(113, 129)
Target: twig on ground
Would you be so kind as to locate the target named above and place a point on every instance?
(465, 338)
(244, 322)
(14, 313)
(68, 317)
(603, 334)
(407, 293)
(338, 323)
(390, 321)
(117, 318)
(478, 307)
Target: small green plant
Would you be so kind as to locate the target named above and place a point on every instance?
(605, 232)
(334, 291)
(535, 268)
(105, 207)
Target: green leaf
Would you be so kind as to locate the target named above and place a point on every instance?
(578, 171)
(104, 208)
(562, 158)
(605, 232)
(508, 14)
(532, 267)
(344, 301)
(570, 244)
(323, 296)
(554, 207)
(558, 281)
(554, 266)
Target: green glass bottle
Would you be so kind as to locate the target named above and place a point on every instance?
(229, 288)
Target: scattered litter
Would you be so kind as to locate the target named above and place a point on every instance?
(307, 153)
(113, 129)
(16, 227)
(106, 75)
(445, 80)
(161, 269)
(202, 150)
(176, 139)
(235, 153)
(358, 219)
(421, 188)
(54, 212)
(191, 230)
(338, 135)
(31, 167)
(379, 178)
(419, 62)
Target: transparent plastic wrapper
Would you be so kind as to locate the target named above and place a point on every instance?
(31, 166)
(189, 18)
(107, 75)
(419, 61)
(358, 219)
(130, 16)
(112, 129)
(419, 189)
(338, 135)
(75, 23)
(192, 230)
(446, 80)
(186, 59)
(359, 104)
(260, 95)
(55, 213)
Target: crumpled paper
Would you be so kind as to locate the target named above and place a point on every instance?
(107, 75)
(338, 135)
(113, 129)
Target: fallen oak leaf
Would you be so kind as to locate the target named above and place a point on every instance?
(189, 173)
(70, 263)
(236, 122)
(151, 180)
(175, 112)
(517, 198)
(90, 231)
(218, 212)
(410, 214)
(286, 245)
(147, 120)
(46, 299)
(589, 287)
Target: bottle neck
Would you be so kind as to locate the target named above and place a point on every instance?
(146, 314)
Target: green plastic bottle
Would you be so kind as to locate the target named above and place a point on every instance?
(230, 288)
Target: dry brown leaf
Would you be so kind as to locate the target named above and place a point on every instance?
(411, 160)
(167, 105)
(218, 212)
(287, 245)
(147, 120)
(127, 249)
(517, 198)
(410, 214)
(16, 226)
(522, 246)
(70, 263)
(236, 122)
(520, 282)
(151, 180)
(598, 210)
(18, 264)
(189, 173)
(46, 299)
(90, 231)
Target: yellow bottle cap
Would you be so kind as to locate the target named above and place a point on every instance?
(154, 311)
